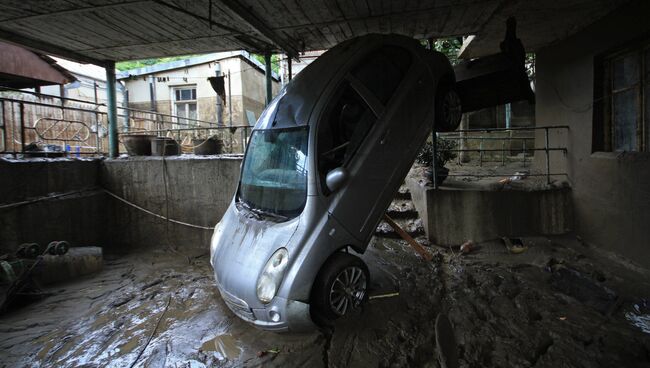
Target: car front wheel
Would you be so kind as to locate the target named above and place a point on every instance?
(341, 287)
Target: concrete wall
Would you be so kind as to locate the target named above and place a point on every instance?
(79, 217)
(199, 192)
(452, 216)
(199, 189)
(610, 189)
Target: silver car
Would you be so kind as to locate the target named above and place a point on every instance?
(324, 161)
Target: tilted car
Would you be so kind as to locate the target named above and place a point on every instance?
(324, 161)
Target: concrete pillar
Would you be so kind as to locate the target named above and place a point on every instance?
(113, 144)
(289, 66)
(268, 74)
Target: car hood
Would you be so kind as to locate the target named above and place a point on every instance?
(242, 246)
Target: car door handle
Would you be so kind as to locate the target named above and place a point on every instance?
(384, 136)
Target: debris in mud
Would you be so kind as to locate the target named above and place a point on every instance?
(263, 353)
(573, 283)
(381, 296)
(514, 245)
(446, 343)
(467, 247)
(640, 316)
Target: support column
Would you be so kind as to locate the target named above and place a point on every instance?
(289, 66)
(113, 144)
(268, 74)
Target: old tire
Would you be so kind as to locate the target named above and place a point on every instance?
(448, 108)
(341, 286)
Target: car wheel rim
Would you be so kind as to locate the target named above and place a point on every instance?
(451, 107)
(348, 290)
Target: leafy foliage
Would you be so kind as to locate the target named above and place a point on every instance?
(444, 152)
(448, 46)
(275, 61)
(133, 64)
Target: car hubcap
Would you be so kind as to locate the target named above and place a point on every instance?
(348, 290)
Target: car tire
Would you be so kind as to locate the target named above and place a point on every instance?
(341, 286)
(448, 108)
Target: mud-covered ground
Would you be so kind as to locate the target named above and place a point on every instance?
(558, 304)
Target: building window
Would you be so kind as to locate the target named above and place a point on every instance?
(622, 100)
(185, 106)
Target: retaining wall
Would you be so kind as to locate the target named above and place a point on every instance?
(66, 201)
(451, 216)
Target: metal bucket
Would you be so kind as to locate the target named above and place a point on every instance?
(138, 144)
(165, 146)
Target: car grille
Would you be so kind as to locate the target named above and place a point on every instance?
(237, 306)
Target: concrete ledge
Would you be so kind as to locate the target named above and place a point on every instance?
(452, 216)
(199, 189)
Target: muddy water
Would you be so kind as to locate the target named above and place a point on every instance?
(554, 305)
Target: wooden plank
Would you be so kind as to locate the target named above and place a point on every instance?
(414, 244)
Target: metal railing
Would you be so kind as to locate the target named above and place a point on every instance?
(30, 117)
(504, 148)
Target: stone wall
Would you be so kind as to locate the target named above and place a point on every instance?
(610, 189)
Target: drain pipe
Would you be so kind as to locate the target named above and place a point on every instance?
(267, 73)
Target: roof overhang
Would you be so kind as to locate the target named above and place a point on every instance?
(21, 68)
(113, 30)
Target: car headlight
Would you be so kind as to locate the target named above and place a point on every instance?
(271, 277)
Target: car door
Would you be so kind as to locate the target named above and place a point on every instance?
(392, 111)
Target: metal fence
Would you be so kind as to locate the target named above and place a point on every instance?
(77, 127)
(504, 146)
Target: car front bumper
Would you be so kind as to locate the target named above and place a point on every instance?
(293, 315)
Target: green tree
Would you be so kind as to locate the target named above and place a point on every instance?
(133, 64)
(275, 61)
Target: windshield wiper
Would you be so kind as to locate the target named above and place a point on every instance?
(269, 214)
(250, 209)
(259, 213)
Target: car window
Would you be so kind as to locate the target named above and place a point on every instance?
(347, 122)
(383, 70)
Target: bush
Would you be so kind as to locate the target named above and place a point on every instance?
(444, 152)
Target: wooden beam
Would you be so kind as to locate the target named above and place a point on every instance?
(238, 33)
(48, 48)
(418, 248)
(260, 26)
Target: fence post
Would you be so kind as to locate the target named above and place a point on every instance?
(503, 153)
(4, 126)
(548, 161)
(22, 127)
(113, 144)
(480, 152)
(524, 149)
(434, 161)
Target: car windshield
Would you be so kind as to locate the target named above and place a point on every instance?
(274, 177)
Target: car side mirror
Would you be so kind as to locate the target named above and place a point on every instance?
(336, 178)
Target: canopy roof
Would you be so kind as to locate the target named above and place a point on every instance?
(112, 30)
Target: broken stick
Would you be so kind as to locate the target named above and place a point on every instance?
(418, 248)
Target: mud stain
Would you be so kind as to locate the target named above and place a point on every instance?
(226, 346)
